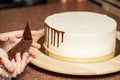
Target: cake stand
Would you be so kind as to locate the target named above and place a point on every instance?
(75, 68)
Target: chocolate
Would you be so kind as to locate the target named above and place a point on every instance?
(54, 32)
(23, 45)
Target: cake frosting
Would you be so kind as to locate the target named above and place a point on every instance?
(80, 36)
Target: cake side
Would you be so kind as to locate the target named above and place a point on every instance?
(81, 41)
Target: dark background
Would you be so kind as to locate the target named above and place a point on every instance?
(6, 4)
(112, 6)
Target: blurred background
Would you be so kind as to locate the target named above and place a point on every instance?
(112, 6)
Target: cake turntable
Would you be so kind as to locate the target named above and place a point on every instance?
(75, 68)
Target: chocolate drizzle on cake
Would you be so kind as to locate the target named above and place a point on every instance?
(54, 34)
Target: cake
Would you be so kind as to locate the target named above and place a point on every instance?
(80, 36)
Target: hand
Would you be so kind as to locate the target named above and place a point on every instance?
(16, 66)
(9, 39)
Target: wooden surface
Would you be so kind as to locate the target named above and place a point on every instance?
(75, 68)
(15, 19)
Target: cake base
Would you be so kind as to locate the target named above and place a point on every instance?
(70, 59)
(75, 68)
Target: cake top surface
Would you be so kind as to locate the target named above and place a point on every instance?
(81, 22)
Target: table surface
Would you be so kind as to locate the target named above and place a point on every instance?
(15, 19)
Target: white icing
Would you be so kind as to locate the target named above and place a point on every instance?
(81, 22)
(87, 34)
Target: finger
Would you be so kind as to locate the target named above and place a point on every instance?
(18, 63)
(12, 39)
(3, 54)
(14, 74)
(15, 40)
(32, 53)
(9, 66)
(3, 38)
(19, 34)
(29, 59)
(35, 45)
(24, 60)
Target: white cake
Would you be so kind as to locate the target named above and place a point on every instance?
(80, 36)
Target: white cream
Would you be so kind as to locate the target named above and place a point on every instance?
(87, 34)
